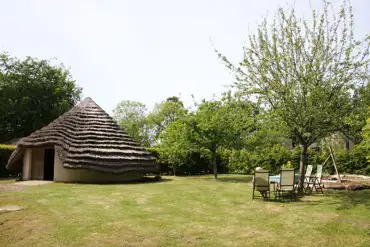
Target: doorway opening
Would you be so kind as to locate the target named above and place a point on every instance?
(49, 164)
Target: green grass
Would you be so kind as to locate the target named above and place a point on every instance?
(181, 211)
(7, 181)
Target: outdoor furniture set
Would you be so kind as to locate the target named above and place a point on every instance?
(285, 185)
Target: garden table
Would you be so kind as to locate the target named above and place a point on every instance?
(276, 178)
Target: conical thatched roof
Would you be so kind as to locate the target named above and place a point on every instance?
(87, 137)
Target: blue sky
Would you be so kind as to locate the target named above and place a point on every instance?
(143, 50)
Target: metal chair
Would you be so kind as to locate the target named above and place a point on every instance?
(286, 186)
(307, 179)
(261, 184)
(317, 179)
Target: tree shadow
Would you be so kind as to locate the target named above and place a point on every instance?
(342, 199)
(145, 180)
(236, 179)
(350, 199)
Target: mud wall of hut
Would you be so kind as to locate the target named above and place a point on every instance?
(33, 163)
(37, 170)
(27, 164)
(62, 174)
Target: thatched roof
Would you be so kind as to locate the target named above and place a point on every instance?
(87, 137)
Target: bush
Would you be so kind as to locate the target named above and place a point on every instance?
(241, 161)
(271, 158)
(353, 162)
(5, 152)
(197, 163)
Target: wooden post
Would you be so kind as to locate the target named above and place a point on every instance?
(335, 166)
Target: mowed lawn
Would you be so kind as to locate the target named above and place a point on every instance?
(181, 211)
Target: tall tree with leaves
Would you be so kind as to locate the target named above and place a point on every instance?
(357, 113)
(33, 93)
(132, 116)
(176, 144)
(365, 144)
(221, 123)
(165, 113)
(305, 71)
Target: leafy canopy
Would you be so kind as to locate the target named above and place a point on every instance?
(305, 71)
(132, 117)
(165, 113)
(33, 93)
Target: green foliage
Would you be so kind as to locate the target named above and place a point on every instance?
(353, 162)
(132, 117)
(365, 144)
(5, 152)
(176, 146)
(273, 158)
(164, 114)
(7, 147)
(221, 124)
(196, 162)
(32, 94)
(359, 111)
(305, 72)
(242, 161)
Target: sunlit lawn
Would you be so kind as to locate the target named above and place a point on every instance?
(181, 211)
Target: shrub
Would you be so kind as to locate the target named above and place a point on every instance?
(5, 152)
(196, 163)
(353, 162)
(241, 161)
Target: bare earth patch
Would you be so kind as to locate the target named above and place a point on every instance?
(11, 188)
(349, 182)
(9, 208)
(273, 208)
(33, 182)
(21, 186)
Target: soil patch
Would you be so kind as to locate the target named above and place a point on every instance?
(11, 188)
(9, 208)
(33, 182)
(349, 182)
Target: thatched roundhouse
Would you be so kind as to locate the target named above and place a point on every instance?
(83, 145)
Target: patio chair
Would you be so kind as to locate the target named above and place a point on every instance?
(307, 179)
(261, 184)
(317, 179)
(286, 186)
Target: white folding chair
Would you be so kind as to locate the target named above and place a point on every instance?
(261, 184)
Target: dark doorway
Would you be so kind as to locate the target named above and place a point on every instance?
(49, 164)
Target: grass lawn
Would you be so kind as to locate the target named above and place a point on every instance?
(181, 211)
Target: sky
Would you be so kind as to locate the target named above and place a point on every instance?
(144, 50)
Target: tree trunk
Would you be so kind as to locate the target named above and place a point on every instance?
(174, 170)
(214, 160)
(302, 166)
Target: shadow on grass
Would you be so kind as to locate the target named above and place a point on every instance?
(235, 179)
(144, 180)
(350, 199)
(341, 199)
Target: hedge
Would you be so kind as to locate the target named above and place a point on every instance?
(272, 158)
(5, 152)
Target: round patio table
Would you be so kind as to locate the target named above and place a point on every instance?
(276, 178)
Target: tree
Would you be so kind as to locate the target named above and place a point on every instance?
(365, 144)
(33, 93)
(304, 71)
(132, 116)
(356, 116)
(165, 113)
(221, 123)
(176, 144)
